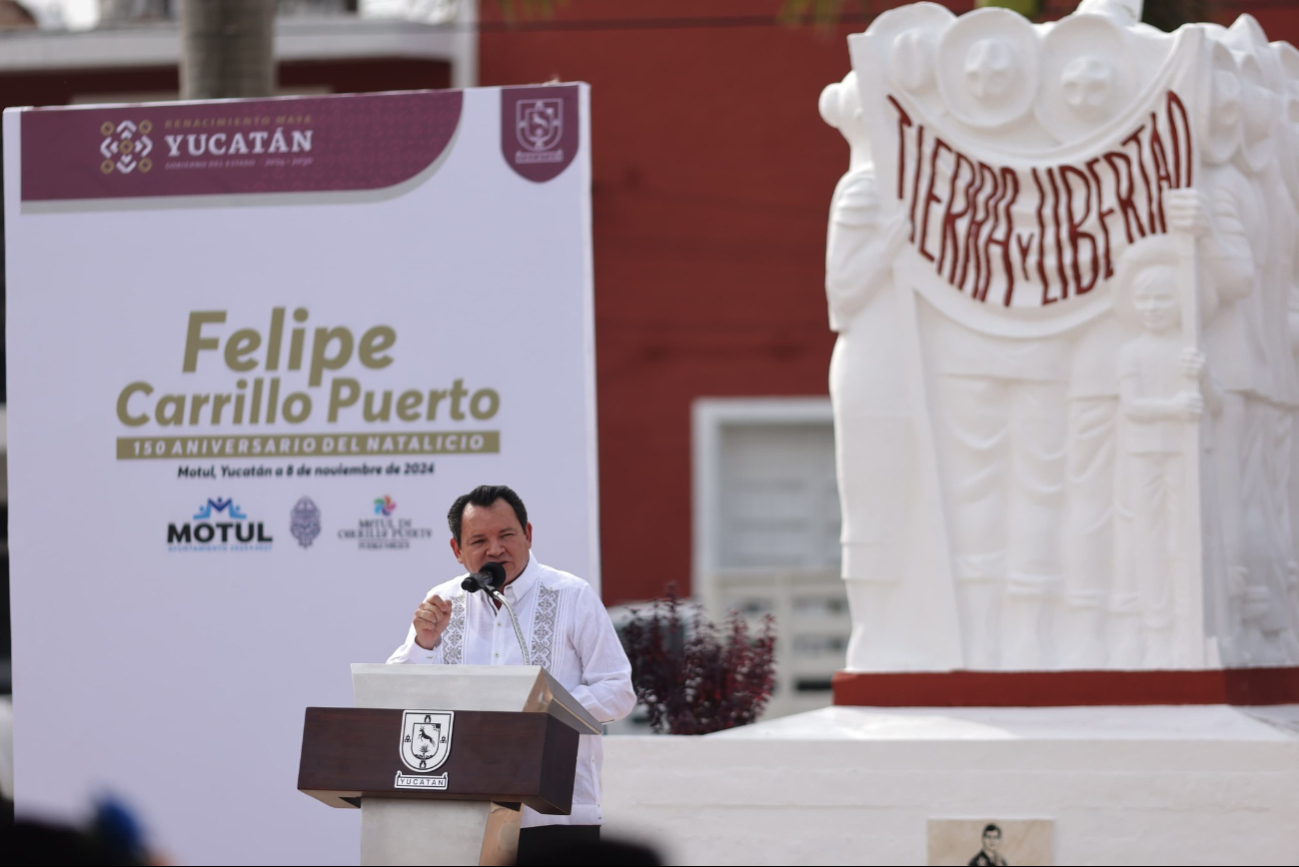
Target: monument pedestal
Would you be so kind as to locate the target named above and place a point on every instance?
(1231, 686)
(1207, 784)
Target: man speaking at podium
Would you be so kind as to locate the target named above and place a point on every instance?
(563, 624)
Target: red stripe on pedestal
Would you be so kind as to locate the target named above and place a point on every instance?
(1241, 686)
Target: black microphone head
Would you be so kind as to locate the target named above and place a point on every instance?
(471, 583)
(495, 572)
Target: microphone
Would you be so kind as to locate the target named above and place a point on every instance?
(490, 579)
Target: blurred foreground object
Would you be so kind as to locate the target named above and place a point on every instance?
(119, 12)
(1027, 8)
(15, 16)
(692, 681)
(613, 852)
(226, 48)
(114, 836)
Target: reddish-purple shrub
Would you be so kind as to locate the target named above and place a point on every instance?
(690, 678)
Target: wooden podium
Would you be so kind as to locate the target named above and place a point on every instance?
(440, 758)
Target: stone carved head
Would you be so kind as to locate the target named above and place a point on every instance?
(1287, 57)
(840, 107)
(1155, 299)
(911, 59)
(1226, 99)
(1225, 107)
(1245, 34)
(1123, 12)
(986, 67)
(1088, 76)
(1286, 70)
(1087, 83)
(908, 35)
(1260, 112)
(990, 69)
(1145, 292)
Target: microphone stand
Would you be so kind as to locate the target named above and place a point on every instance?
(479, 581)
(514, 621)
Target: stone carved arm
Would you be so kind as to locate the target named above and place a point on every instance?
(1224, 247)
(1136, 405)
(1212, 395)
(1195, 367)
(860, 248)
(1228, 256)
(1185, 406)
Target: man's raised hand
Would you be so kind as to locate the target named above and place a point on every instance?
(431, 619)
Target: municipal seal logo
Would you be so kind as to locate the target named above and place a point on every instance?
(539, 123)
(425, 746)
(304, 522)
(541, 129)
(126, 147)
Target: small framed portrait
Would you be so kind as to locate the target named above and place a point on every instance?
(991, 842)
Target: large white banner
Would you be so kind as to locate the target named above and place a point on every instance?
(255, 351)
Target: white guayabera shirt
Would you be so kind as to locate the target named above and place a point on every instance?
(568, 632)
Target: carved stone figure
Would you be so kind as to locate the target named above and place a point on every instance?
(1164, 389)
(1000, 430)
(873, 400)
(1237, 342)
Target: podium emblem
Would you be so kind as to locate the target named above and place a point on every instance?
(426, 739)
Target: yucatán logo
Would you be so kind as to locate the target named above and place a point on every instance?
(539, 125)
(425, 747)
(126, 147)
(218, 525)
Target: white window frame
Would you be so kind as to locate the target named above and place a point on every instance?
(708, 416)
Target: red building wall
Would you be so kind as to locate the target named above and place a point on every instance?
(1280, 18)
(713, 174)
(362, 75)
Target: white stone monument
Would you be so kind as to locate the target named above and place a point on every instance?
(1062, 267)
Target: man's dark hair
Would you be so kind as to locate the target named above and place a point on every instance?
(485, 495)
(990, 828)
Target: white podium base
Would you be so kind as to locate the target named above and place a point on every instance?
(410, 832)
(1207, 784)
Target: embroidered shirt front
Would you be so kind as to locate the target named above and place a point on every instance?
(568, 632)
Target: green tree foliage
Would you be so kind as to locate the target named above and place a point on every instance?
(1172, 14)
(1165, 14)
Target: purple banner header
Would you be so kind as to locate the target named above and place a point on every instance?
(315, 144)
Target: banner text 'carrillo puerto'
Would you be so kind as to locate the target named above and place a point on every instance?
(257, 399)
(267, 369)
